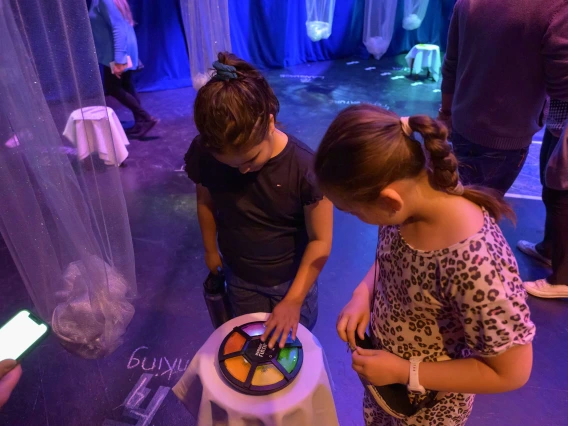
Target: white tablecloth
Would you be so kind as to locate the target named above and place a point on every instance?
(425, 56)
(97, 129)
(307, 401)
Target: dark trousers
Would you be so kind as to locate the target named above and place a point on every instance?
(555, 242)
(489, 167)
(249, 298)
(123, 90)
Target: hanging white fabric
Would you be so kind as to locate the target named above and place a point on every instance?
(320, 18)
(414, 12)
(207, 33)
(63, 219)
(379, 25)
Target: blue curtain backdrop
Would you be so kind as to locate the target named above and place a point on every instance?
(269, 33)
(161, 45)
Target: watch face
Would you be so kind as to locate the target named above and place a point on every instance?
(251, 367)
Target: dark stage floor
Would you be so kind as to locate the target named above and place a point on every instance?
(171, 320)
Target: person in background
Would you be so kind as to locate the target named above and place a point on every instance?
(445, 283)
(502, 58)
(117, 51)
(263, 219)
(553, 249)
(10, 373)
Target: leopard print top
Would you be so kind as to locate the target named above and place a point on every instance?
(464, 300)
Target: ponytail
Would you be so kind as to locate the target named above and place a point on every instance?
(443, 165)
(232, 111)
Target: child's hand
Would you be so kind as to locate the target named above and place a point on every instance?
(284, 317)
(353, 318)
(213, 261)
(380, 368)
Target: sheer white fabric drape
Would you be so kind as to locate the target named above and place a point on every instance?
(414, 12)
(207, 33)
(64, 221)
(320, 18)
(379, 25)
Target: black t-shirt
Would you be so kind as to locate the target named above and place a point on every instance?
(260, 216)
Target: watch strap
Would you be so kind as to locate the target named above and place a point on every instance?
(413, 377)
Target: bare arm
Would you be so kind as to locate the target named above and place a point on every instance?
(319, 224)
(367, 286)
(286, 315)
(502, 373)
(497, 327)
(355, 316)
(205, 208)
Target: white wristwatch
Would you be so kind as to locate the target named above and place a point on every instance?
(413, 381)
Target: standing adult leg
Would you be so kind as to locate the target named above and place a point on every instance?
(543, 250)
(115, 88)
(549, 142)
(556, 203)
(556, 232)
(128, 85)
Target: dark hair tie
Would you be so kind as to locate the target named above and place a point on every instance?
(224, 72)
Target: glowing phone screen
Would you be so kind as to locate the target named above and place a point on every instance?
(18, 334)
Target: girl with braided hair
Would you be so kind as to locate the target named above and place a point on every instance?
(444, 300)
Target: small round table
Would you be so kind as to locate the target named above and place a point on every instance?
(97, 129)
(307, 401)
(425, 56)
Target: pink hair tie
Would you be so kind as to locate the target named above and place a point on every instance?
(406, 126)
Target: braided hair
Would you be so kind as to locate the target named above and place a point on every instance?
(366, 148)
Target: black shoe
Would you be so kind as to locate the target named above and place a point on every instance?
(144, 128)
(133, 130)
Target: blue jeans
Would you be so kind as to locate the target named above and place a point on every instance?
(489, 167)
(248, 298)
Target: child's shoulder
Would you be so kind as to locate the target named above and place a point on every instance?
(489, 243)
(197, 152)
(200, 165)
(300, 166)
(302, 153)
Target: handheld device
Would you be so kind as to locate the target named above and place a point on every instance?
(394, 399)
(20, 335)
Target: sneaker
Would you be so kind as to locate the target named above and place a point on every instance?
(529, 249)
(541, 288)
